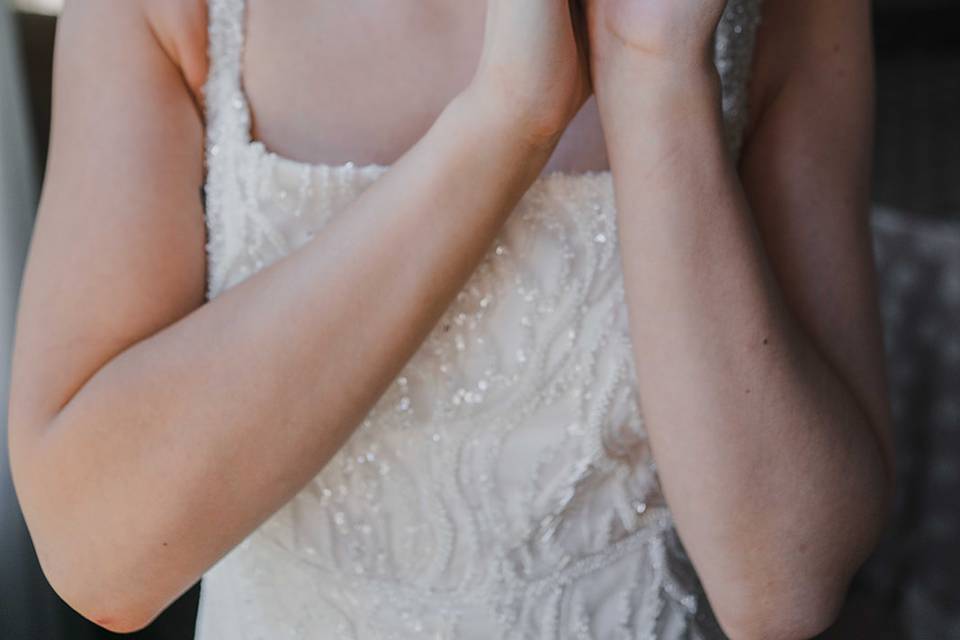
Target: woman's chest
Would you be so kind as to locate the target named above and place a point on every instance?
(362, 81)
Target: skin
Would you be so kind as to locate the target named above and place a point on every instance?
(753, 302)
(750, 287)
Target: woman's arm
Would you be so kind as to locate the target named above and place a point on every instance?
(753, 311)
(149, 432)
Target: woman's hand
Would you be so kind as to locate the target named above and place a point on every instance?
(534, 66)
(672, 31)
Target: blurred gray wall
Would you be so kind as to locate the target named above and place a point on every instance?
(21, 614)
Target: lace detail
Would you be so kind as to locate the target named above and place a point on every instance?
(503, 486)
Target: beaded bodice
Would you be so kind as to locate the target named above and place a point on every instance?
(503, 486)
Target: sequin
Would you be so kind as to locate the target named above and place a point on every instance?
(503, 486)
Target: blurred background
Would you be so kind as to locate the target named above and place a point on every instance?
(910, 589)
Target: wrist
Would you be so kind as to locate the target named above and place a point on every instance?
(497, 113)
(657, 92)
(644, 76)
(481, 130)
(653, 112)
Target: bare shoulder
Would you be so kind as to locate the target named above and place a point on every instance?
(178, 27)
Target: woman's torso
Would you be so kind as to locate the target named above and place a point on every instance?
(503, 486)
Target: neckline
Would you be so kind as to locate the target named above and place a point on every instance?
(251, 145)
(232, 15)
(257, 147)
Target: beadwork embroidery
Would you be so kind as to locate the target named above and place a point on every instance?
(503, 486)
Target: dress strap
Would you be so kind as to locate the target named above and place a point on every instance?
(227, 109)
(227, 123)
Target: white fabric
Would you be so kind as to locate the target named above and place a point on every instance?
(503, 486)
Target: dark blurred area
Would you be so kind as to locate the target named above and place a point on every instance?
(911, 587)
(918, 108)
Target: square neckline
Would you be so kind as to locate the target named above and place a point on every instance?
(257, 147)
(225, 93)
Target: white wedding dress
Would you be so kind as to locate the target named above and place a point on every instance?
(503, 486)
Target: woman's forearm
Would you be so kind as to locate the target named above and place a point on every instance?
(774, 475)
(179, 447)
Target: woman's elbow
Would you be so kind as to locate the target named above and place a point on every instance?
(120, 609)
(98, 583)
(120, 621)
(783, 614)
(93, 580)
